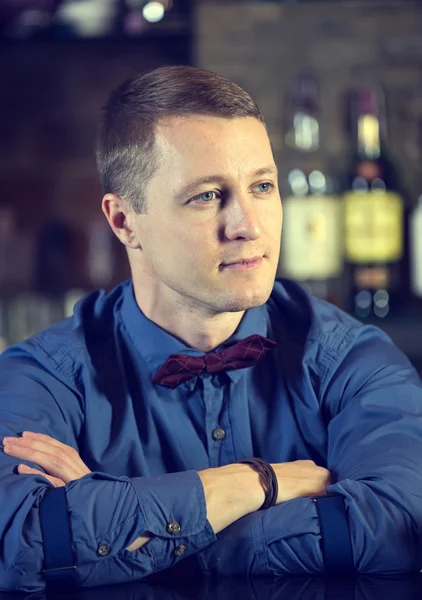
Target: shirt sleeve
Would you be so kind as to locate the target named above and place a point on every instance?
(371, 398)
(104, 511)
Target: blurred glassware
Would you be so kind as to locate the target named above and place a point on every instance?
(4, 329)
(153, 11)
(87, 18)
(303, 134)
(92, 19)
(100, 259)
(70, 299)
(54, 258)
(373, 215)
(28, 313)
(15, 254)
(415, 235)
(311, 242)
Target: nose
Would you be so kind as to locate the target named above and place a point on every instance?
(242, 218)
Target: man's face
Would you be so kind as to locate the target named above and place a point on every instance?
(194, 228)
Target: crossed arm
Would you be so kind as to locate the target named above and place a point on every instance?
(373, 455)
(62, 464)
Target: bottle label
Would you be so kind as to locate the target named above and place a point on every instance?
(373, 227)
(416, 251)
(311, 246)
(372, 278)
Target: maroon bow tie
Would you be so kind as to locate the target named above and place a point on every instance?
(178, 368)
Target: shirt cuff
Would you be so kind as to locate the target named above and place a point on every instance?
(175, 512)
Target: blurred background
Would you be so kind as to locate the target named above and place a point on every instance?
(340, 85)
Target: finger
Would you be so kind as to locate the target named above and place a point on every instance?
(45, 444)
(53, 460)
(42, 443)
(25, 470)
(38, 439)
(42, 437)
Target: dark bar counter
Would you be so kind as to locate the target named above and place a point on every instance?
(364, 587)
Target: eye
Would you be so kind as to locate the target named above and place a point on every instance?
(206, 197)
(264, 187)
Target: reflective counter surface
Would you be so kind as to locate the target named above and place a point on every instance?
(280, 588)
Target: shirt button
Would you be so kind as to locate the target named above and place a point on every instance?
(218, 434)
(179, 551)
(103, 550)
(173, 527)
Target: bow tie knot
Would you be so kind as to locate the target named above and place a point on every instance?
(213, 362)
(181, 367)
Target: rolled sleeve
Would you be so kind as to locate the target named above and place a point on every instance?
(175, 519)
(282, 539)
(108, 516)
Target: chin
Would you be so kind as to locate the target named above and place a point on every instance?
(248, 298)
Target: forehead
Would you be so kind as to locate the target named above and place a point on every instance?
(210, 143)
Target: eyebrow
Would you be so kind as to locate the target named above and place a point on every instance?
(191, 187)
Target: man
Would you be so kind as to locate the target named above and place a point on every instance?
(135, 412)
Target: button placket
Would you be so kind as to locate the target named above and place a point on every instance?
(213, 398)
(218, 434)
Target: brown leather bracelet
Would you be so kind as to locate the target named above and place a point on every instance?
(269, 477)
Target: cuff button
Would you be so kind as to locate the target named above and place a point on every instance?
(173, 527)
(103, 550)
(179, 551)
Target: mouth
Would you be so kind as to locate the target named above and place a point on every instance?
(244, 263)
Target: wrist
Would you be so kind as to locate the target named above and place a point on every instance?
(231, 492)
(249, 487)
(268, 479)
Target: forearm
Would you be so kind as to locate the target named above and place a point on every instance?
(281, 539)
(99, 510)
(104, 512)
(231, 492)
(288, 538)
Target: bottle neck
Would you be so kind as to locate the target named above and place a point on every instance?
(305, 131)
(369, 141)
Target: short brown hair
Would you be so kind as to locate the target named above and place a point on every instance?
(126, 156)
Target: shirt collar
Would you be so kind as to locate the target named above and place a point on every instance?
(155, 344)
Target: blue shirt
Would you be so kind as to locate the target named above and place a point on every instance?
(332, 391)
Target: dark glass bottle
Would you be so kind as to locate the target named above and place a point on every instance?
(373, 216)
(311, 245)
(416, 250)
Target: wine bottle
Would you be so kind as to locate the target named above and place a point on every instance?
(373, 216)
(311, 244)
(415, 231)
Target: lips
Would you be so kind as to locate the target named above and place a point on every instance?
(242, 261)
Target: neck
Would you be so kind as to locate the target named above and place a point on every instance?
(369, 137)
(194, 324)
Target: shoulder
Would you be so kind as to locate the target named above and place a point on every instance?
(73, 339)
(331, 345)
(325, 334)
(303, 319)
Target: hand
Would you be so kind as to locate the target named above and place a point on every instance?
(235, 490)
(300, 478)
(62, 463)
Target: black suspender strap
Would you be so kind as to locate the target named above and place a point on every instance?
(335, 535)
(59, 569)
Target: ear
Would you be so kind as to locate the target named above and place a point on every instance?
(120, 217)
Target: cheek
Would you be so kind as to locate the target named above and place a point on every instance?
(274, 219)
(184, 244)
